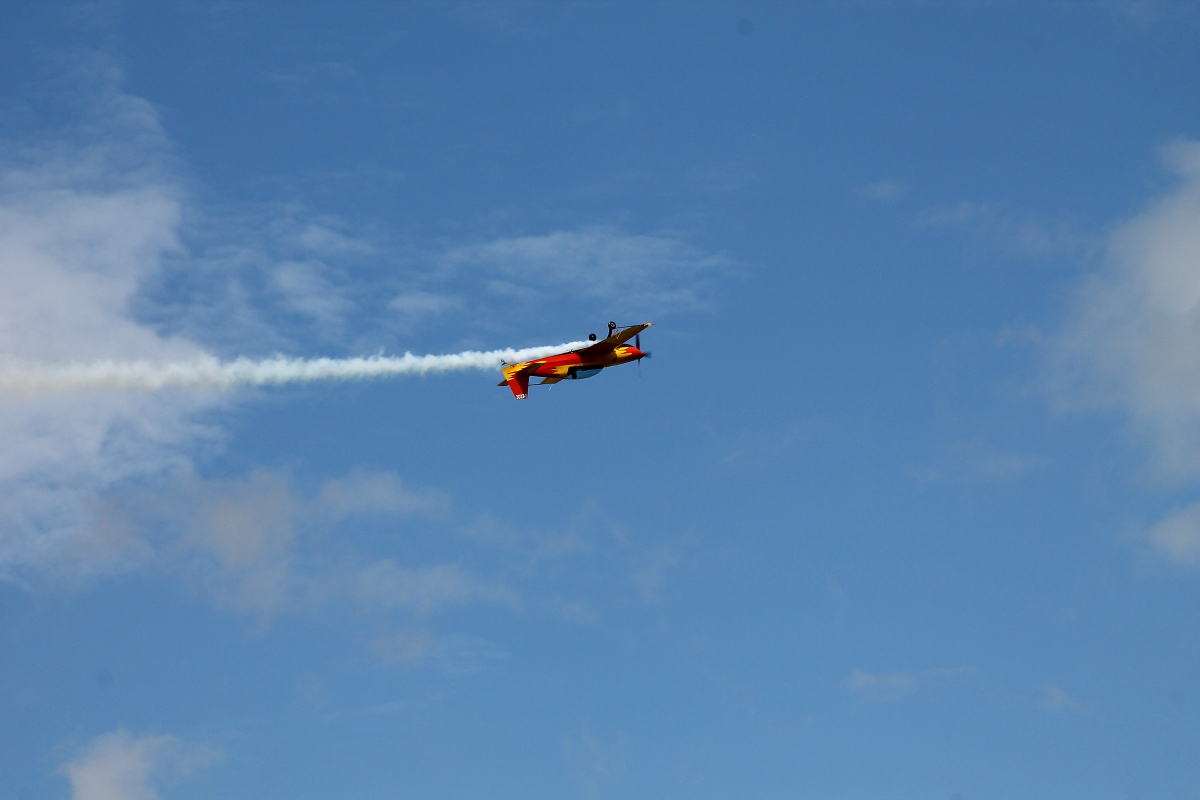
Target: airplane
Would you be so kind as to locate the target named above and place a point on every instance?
(578, 364)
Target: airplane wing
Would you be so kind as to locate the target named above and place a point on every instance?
(613, 342)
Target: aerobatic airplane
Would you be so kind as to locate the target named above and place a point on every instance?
(578, 364)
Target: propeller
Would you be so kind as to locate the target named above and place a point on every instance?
(637, 342)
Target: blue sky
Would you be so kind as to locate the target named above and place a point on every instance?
(906, 504)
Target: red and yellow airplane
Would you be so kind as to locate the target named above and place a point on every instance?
(577, 364)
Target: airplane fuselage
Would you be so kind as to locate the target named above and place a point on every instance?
(569, 365)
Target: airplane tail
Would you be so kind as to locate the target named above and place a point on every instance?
(519, 383)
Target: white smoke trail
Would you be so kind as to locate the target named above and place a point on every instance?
(18, 377)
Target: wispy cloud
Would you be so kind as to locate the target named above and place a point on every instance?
(894, 685)
(262, 548)
(596, 762)
(251, 543)
(453, 655)
(976, 462)
(384, 584)
(418, 305)
(650, 576)
(1151, 13)
(632, 272)
(269, 278)
(1177, 536)
(998, 231)
(509, 18)
(1130, 342)
(120, 766)
(1055, 699)
(364, 492)
(884, 190)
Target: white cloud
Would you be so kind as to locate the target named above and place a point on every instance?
(118, 766)
(90, 217)
(1178, 535)
(893, 685)
(83, 219)
(1131, 343)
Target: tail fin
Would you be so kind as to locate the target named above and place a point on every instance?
(519, 383)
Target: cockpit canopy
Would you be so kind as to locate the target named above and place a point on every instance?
(579, 373)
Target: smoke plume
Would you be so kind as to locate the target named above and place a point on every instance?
(19, 377)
